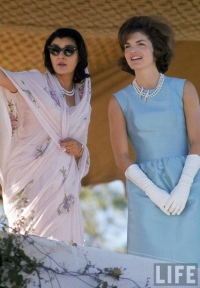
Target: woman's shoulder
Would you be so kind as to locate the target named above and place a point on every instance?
(176, 85)
(174, 80)
(125, 90)
(122, 97)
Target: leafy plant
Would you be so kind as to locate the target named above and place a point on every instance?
(17, 269)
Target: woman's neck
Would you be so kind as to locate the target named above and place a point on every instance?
(148, 79)
(66, 81)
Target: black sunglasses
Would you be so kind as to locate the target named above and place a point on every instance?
(67, 50)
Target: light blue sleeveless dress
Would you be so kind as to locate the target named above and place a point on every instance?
(157, 131)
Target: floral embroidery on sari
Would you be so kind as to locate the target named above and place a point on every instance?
(43, 148)
(81, 90)
(88, 161)
(54, 97)
(13, 117)
(23, 223)
(22, 201)
(89, 90)
(68, 200)
(63, 171)
(65, 206)
(30, 96)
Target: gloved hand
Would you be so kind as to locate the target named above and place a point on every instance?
(180, 194)
(157, 195)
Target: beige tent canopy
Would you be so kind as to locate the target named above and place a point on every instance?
(25, 24)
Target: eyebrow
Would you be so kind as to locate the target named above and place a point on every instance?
(138, 41)
(64, 46)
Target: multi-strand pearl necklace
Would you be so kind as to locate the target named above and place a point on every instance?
(140, 90)
(68, 93)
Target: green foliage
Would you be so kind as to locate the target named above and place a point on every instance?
(14, 262)
(17, 268)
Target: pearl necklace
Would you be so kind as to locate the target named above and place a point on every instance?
(140, 90)
(68, 93)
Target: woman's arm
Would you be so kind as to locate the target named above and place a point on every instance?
(118, 135)
(119, 142)
(180, 193)
(6, 83)
(192, 116)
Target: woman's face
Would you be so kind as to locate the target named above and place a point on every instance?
(138, 51)
(64, 64)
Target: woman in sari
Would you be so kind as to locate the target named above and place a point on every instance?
(44, 122)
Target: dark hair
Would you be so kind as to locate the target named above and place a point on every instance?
(79, 73)
(158, 32)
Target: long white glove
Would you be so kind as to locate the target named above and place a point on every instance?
(180, 193)
(157, 195)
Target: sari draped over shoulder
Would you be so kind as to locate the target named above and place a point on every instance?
(40, 182)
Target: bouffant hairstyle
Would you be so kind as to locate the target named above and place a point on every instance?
(158, 32)
(79, 73)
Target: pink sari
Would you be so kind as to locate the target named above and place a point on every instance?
(40, 182)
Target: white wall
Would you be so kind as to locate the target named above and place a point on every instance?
(72, 260)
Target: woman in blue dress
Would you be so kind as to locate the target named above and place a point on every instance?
(160, 116)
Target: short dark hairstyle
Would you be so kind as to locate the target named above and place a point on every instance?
(158, 32)
(79, 73)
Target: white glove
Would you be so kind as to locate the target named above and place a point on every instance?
(156, 195)
(180, 193)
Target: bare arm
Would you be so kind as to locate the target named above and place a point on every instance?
(6, 83)
(119, 142)
(192, 115)
(118, 135)
(179, 195)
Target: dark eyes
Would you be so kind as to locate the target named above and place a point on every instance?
(129, 46)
